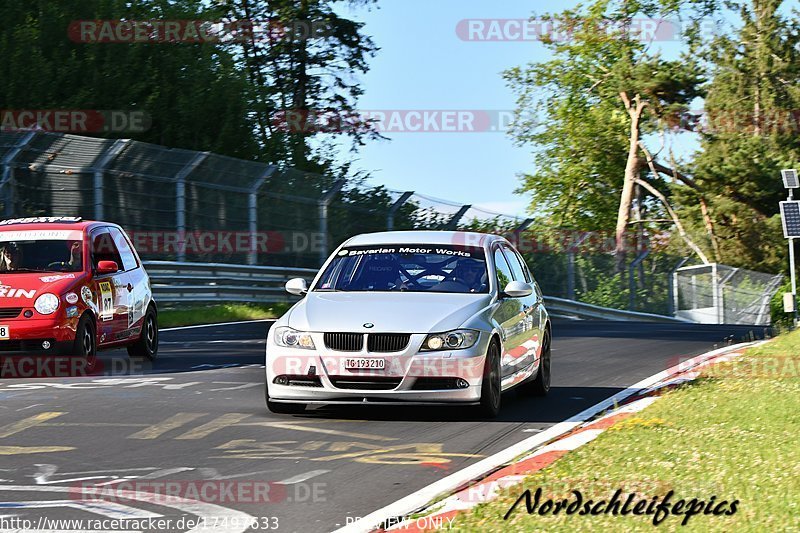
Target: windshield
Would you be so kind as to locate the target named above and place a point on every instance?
(413, 268)
(41, 256)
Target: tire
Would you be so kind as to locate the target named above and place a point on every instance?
(146, 345)
(540, 385)
(85, 343)
(282, 408)
(490, 386)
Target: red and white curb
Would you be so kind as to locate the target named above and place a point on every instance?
(510, 466)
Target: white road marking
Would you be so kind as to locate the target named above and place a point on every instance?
(245, 386)
(229, 341)
(104, 507)
(212, 517)
(220, 324)
(303, 477)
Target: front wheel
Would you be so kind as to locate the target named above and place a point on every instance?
(490, 386)
(85, 344)
(147, 344)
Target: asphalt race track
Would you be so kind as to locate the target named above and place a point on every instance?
(199, 414)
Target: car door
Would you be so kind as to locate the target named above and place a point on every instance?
(110, 290)
(509, 315)
(137, 283)
(531, 309)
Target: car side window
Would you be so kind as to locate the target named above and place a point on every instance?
(516, 267)
(125, 252)
(104, 249)
(504, 273)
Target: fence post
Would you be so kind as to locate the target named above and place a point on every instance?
(570, 274)
(324, 202)
(394, 207)
(8, 173)
(99, 168)
(672, 288)
(632, 279)
(715, 292)
(180, 201)
(252, 220)
(452, 224)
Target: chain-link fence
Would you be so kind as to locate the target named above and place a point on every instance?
(720, 294)
(198, 206)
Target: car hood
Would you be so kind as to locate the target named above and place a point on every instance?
(400, 312)
(22, 289)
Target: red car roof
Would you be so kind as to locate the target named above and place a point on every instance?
(46, 223)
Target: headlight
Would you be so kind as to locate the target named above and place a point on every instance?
(46, 304)
(291, 338)
(458, 339)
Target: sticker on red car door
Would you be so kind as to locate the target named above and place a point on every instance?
(106, 301)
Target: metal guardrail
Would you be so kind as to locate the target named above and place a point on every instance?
(573, 309)
(175, 282)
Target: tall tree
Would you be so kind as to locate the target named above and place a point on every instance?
(302, 59)
(751, 130)
(194, 93)
(601, 94)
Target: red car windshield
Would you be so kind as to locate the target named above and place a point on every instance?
(41, 256)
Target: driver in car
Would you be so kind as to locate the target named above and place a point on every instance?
(9, 257)
(75, 255)
(471, 272)
(467, 273)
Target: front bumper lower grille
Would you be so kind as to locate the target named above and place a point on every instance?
(365, 383)
(10, 312)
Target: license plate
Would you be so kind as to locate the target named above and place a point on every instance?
(4, 332)
(365, 363)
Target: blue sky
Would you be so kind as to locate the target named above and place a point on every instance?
(424, 65)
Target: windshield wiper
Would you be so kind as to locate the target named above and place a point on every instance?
(25, 270)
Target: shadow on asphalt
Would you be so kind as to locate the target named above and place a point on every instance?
(559, 404)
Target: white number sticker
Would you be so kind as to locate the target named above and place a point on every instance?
(106, 301)
(4, 332)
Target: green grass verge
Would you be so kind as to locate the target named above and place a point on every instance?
(734, 434)
(212, 314)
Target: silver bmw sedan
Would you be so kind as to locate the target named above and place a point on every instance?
(412, 317)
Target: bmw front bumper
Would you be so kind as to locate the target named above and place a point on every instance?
(410, 376)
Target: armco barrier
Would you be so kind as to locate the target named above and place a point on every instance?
(175, 282)
(571, 308)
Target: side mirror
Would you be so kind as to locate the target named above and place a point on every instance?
(518, 289)
(297, 286)
(107, 267)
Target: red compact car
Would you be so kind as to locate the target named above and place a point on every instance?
(71, 287)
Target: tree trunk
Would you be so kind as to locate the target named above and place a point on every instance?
(657, 167)
(632, 167)
(696, 249)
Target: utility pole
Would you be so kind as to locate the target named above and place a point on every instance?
(790, 217)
